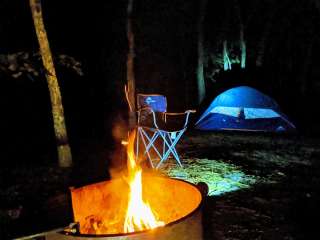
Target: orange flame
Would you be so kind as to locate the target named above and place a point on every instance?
(139, 215)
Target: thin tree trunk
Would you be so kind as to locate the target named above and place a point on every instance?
(262, 46)
(317, 4)
(130, 67)
(241, 29)
(243, 47)
(226, 59)
(303, 76)
(263, 41)
(200, 71)
(64, 152)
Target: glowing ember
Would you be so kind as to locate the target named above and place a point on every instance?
(139, 215)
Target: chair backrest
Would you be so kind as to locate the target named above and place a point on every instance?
(156, 102)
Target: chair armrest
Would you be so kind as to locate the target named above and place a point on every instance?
(192, 111)
(149, 111)
(180, 113)
(186, 113)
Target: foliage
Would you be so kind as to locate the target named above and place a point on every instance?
(29, 63)
(214, 59)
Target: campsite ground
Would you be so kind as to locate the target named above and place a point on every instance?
(282, 202)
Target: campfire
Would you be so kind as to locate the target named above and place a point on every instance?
(139, 215)
(138, 203)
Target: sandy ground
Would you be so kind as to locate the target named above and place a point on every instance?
(282, 203)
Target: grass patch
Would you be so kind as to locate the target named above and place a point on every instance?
(221, 177)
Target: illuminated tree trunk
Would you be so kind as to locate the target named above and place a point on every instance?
(130, 67)
(242, 42)
(226, 59)
(200, 70)
(242, 47)
(64, 152)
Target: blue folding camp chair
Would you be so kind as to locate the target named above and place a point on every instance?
(158, 130)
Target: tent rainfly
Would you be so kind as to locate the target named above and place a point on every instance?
(246, 109)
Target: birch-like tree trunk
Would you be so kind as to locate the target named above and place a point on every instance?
(242, 42)
(130, 67)
(200, 70)
(226, 59)
(243, 47)
(64, 152)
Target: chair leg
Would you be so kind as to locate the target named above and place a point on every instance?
(163, 148)
(167, 148)
(137, 143)
(171, 147)
(142, 133)
(149, 143)
(175, 154)
(165, 143)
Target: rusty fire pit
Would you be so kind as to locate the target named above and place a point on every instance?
(99, 210)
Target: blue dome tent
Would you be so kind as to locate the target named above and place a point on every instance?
(244, 108)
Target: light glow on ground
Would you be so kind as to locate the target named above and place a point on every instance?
(221, 177)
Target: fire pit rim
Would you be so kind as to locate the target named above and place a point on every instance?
(194, 211)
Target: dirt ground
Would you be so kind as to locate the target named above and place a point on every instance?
(282, 204)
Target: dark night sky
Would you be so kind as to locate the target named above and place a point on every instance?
(166, 41)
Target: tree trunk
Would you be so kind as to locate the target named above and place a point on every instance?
(243, 47)
(262, 45)
(263, 41)
(226, 59)
(64, 152)
(200, 71)
(307, 61)
(130, 67)
(317, 4)
(242, 42)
